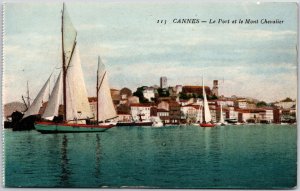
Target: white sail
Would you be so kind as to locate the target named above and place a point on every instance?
(37, 102)
(69, 36)
(221, 114)
(207, 115)
(54, 100)
(78, 106)
(106, 109)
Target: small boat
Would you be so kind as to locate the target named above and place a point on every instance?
(77, 115)
(221, 122)
(207, 121)
(139, 122)
(157, 122)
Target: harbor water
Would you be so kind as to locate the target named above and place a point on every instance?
(246, 156)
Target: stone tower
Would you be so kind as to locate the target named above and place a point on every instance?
(215, 88)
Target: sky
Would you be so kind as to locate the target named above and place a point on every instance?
(255, 60)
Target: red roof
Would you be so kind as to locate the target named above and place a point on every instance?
(162, 110)
(140, 105)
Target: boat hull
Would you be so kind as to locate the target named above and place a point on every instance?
(135, 124)
(207, 125)
(48, 127)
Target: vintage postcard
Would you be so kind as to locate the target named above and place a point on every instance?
(150, 95)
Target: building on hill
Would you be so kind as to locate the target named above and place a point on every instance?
(149, 93)
(163, 82)
(125, 93)
(197, 90)
(215, 89)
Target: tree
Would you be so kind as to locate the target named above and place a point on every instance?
(184, 96)
(287, 99)
(162, 92)
(261, 104)
(140, 95)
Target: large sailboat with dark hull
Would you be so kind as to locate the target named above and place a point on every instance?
(70, 90)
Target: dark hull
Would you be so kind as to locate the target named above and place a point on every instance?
(134, 124)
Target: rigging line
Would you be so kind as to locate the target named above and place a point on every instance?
(73, 48)
(101, 82)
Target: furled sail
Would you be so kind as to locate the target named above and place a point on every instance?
(37, 102)
(78, 106)
(106, 109)
(69, 36)
(207, 115)
(54, 100)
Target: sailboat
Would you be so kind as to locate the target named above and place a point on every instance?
(105, 107)
(221, 121)
(207, 122)
(77, 113)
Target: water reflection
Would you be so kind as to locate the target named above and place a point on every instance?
(65, 171)
(98, 154)
(213, 153)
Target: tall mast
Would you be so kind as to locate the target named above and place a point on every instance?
(28, 98)
(97, 89)
(64, 66)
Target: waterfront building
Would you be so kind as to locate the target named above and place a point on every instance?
(174, 112)
(215, 89)
(267, 115)
(231, 113)
(124, 117)
(163, 115)
(277, 115)
(254, 115)
(163, 82)
(138, 110)
(190, 113)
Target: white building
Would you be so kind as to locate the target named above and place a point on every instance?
(285, 104)
(268, 115)
(149, 93)
(191, 112)
(231, 113)
(242, 104)
(140, 110)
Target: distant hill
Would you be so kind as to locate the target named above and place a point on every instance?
(9, 108)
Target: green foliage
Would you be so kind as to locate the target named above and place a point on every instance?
(287, 99)
(212, 97)
(184, 96)
(140, 95)
(261, 104)
(162, 92)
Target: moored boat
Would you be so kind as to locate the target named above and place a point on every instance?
(77, 115)
(207, 120)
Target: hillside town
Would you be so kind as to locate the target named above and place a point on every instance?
(182, 105)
